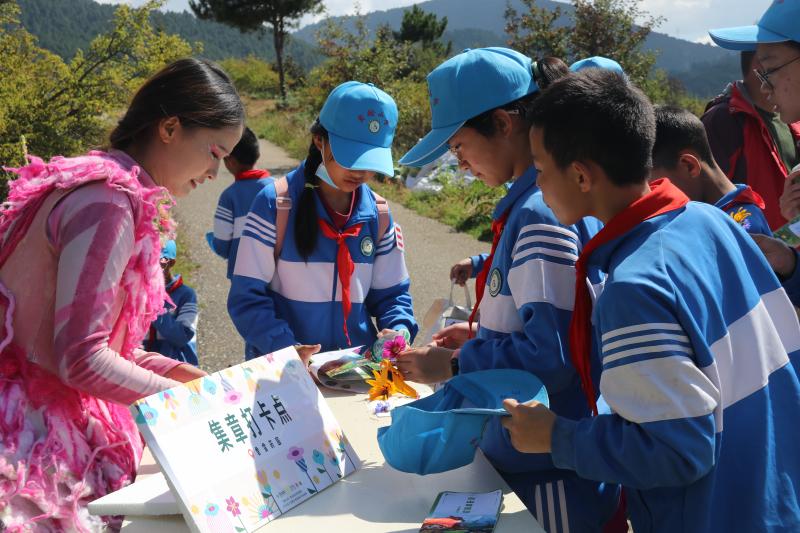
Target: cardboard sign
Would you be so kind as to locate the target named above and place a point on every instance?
(242, 446)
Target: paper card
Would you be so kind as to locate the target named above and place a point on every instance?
(246, 444)
(320, 363)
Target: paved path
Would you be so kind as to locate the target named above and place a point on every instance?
(431, 248)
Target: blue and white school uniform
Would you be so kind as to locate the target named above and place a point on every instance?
(294, 301)
(234, 204)
(174, 333)
(699, 349)
(524, 320)
(739, 205)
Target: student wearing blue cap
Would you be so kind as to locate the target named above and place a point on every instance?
(763, 146)
(342, 263)
(174, 333)
(699, 342)
(479, 101)
(596, 62)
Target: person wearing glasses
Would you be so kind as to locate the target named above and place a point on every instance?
(479, 101)
(752, 142)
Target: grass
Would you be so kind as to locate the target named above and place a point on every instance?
(183, 263)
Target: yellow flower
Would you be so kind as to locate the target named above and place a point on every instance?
(382, 386)
(388, 382)
(740, 215)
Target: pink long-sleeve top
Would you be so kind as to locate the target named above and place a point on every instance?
(91, 230)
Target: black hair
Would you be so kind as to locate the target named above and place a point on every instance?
(544, 73)
(679, 129)
(746, 62)
(598, 115)
(306, 230)
(196, 91)
(246, 151)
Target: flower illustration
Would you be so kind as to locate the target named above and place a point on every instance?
(147, 415)
(295, 453)
(211, 509)
(264, 512)
(209, 386)
(740, 216)
(232, 397)
(233, 506)
(393, 347)
(319, 458)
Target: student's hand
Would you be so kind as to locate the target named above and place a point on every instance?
(185, 373)
(530, 425)
(454, 336)
(461, 271)
(305, 351)
(429, 364)
(779, 255)
(790, 199)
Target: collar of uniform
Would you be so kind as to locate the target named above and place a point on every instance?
(518, 187)
(364, 208)
(731, 196)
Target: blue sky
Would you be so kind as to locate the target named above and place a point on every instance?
(687, 19)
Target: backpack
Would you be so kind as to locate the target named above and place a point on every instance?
(284, 205)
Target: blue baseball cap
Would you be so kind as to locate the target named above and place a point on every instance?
(779, 23)
(465, 86)
(361, 120)
(441, 432)
(170, 250)
(597, 62)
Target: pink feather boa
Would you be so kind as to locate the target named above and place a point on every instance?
(142, 279)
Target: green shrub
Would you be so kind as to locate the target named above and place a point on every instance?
(253, 76)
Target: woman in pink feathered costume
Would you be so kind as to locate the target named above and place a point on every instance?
(80, 282)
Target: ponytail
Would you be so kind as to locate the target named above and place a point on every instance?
(306, 229)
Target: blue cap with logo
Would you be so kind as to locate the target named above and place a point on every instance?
(442, 431)
(465, 86)
(170, 250)
(779, 23)
(361, 120)
(597, 62)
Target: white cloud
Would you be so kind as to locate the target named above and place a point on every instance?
(691, 19)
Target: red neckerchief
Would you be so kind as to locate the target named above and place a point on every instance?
(746, 196)
(662, 198)
(344, 263)
(177, 282)
(480, 281)
(252, 174)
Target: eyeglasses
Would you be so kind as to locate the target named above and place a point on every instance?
(763, 77)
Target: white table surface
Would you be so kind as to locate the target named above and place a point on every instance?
(376, 498)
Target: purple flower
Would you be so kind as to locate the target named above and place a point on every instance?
(295, 453)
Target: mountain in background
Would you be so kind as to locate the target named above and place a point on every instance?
(63, 27)
(703, 69)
